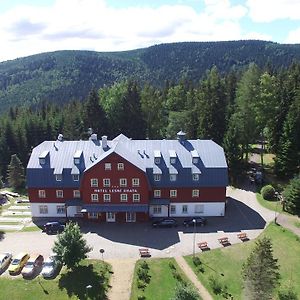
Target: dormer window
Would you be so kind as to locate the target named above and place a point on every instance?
(195, 156)
(195, 160)
(77, 156)
(58, 177)
(173, 177)
(157, 157)
(76, 161)
(173, 157)
(43, 156)
(42, 161)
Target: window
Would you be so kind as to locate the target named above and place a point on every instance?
(94, 197)
(157, 177)
(76, 193)
(172, 177)
(42, 161)
(106, 197)
(76, 161)
(195, 193)
(136, 197)
(42, 194)
(173, 193)
(195, 160)
(135, 182)
(94, 182)
(106, 182)
(199, 208)
(43, 209)
(157, 193)
(59, 193)
(195, 177)
(184, 209)
(123, 197)
(93, 215)
(157, 209)
(123, 182)
(75, 177)
(60, 209)
(58, 177)
(173, 160)
(107, 166)
(173, 209)
(120, 166)
(157, 160)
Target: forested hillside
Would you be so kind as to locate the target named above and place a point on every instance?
(234, 108)
(69, 75)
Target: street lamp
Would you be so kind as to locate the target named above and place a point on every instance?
(102, 251)
(88, 288)
(194, 237)
(278, 200)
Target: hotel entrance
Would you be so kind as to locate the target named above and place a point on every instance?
(110, 217)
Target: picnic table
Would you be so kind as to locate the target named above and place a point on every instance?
(242, 236)
(223, 240)
(203, 245)
(144, 252)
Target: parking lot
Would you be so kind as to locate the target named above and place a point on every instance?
(243, 213)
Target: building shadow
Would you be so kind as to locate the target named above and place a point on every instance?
(2, 235)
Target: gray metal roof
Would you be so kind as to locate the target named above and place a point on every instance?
(141, 153)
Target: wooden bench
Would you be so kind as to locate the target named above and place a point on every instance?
(223, 240)
(242, 236)
(203, 245)
(144, 252)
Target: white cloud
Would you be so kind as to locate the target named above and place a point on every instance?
(92, 24)
(271, 10)
(293, 37)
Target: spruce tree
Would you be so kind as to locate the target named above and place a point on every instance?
(292, 196)
(15, 172)
(261, 271)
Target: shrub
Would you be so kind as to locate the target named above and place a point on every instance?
(141, 284)
(268, 192)
(143, 275)
(172, 266)
(196, 261)
(287, 294)
(185, 292)
(141, 297)
(216, 285)
(144, 265)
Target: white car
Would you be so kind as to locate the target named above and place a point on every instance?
(51, 267)
(5, 259)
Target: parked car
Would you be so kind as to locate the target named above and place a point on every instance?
(166, 222)
(199, 221)
(18, 263)
(33, 264)
(51, 267)
(5, 259)
(54, 227)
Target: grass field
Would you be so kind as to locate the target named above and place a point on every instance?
(68, 285)
(228, 261)
(272, 205)
(162, 283)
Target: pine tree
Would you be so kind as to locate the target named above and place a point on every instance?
(15, 172)
(292, 196)
(261, 271)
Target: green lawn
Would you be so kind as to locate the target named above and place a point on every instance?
(229, 262)
(272, 205)
(68, 285)
(162, 283)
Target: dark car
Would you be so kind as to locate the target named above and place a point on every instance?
(167, 222)
(199, 221)
(54, 227)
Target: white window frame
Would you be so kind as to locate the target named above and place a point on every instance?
(195, 160)
(136, 197)
(173, 160)
(157, 193)
(195, 177)
(173, 193)
(135, 182)
(42, 194)
(173, 177)
(172, 209)
(107, 166)
(94, 197)
(195, 193)
(58, 177)
(106, 197)
(93, 215)
(42, 161)
(156, 209)
(76, 161)
(60, 209)
(120, 167)
(76, 193)
(199, 208)
(157, 160)
(43, 209)
(75, 177)
(94, 182)
(123, 197)
(157, 177)
(59, 193)
(123, 182)
(106, 182)
(184, 209)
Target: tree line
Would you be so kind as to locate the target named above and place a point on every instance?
(235, 110)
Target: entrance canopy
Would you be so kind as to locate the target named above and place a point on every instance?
(98, 208)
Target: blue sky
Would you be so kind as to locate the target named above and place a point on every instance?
(34, 26)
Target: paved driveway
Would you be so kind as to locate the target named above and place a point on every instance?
(243, 213)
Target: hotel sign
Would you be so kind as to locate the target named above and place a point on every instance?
(115, 190)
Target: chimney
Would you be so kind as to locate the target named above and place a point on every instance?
(104, 142)
(60, 137)
(181, 136)
(94, 137)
